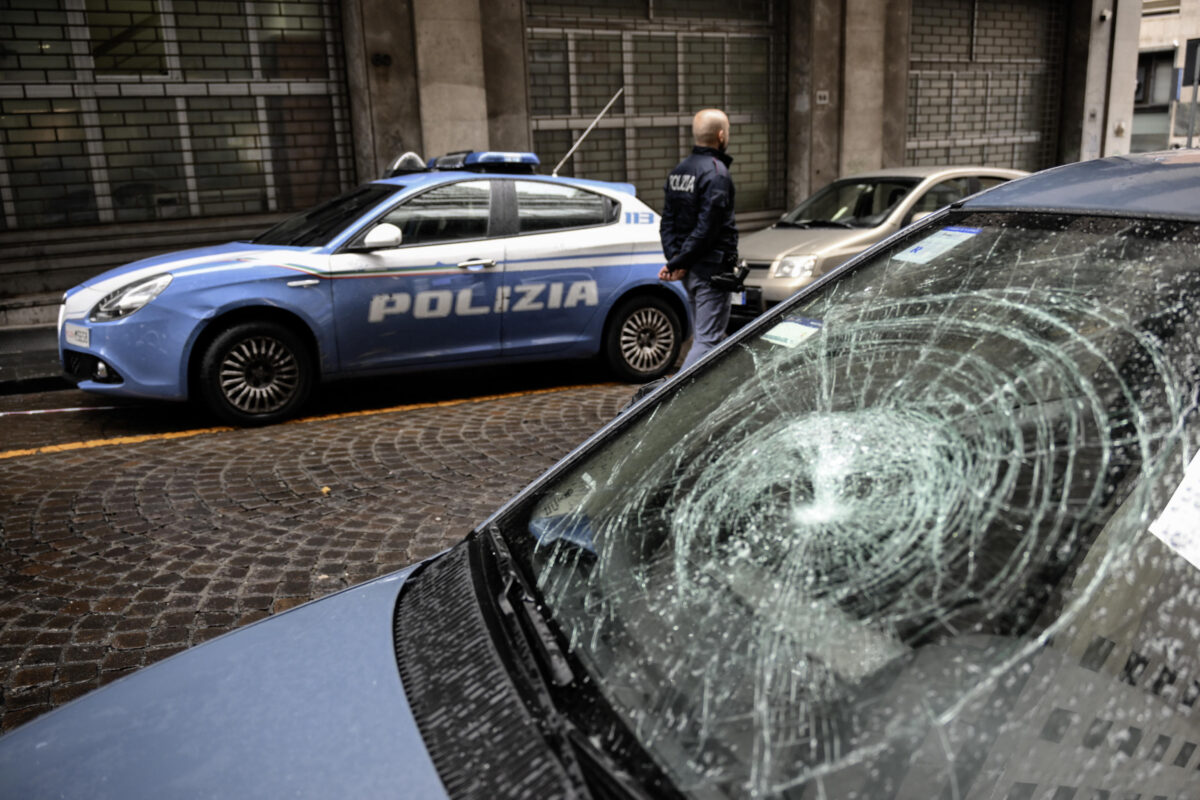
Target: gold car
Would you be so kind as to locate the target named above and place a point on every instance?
(845, 218)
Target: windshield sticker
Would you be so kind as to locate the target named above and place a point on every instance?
(1176, 525)
(792, 331)
(936, 244)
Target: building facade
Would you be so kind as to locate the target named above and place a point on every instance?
(129, 127)
(1163, 102)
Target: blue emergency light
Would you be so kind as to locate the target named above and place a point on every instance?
(486, 161)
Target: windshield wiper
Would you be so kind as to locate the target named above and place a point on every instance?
(552, 680)
(525, 615)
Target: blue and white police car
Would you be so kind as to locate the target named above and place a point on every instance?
(472, 259)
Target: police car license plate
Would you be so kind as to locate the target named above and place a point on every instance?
(77, 335)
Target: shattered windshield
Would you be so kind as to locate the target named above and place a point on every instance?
(914, 539)
(850, 203)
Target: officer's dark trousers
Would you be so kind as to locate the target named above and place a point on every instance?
(710, 310)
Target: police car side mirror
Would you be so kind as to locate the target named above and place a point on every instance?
(383, 236)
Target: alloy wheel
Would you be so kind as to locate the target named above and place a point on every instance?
(647, 339)
(259, 375)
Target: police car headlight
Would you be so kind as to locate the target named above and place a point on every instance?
(128, 299)
(795, 266)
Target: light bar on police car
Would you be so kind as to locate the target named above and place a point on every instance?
(494, 157)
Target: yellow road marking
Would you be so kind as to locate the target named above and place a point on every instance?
(151, 437)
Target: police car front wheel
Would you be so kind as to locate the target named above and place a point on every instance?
(644, 339)
(255, 373)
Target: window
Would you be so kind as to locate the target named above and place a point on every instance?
(550, 206)
(316, 227)
(1154, 78)
(943, 194)
(988, 182)
(1152, 97)
(860, 203)
(444, 214)
(1152, 8)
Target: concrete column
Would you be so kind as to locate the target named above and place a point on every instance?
(800, 102)
(896, 47)
(1101, 66)
(506, 74)
(825, 133)
(814, 96)
(848, 89)
(381, 73)
(1126, 26)
(862, 87)
(874, 84)
(453, 94)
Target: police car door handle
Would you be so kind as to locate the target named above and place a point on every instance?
(477, 263)
(304, 282)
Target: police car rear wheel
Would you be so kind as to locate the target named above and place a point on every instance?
(255, 373)
(644, 339)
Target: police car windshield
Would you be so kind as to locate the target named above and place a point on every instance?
(902, 536)
(858, 203)
(318, 226)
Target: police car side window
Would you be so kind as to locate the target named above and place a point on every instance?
(444, 214)
(553, 206)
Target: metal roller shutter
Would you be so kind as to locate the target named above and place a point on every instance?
(673, 58)
(118, 111)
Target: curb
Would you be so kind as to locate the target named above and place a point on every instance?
(33, 385)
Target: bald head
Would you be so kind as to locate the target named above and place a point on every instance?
(710, 127)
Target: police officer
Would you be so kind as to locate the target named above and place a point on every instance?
(699, 237)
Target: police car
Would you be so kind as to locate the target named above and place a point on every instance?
(470, 259)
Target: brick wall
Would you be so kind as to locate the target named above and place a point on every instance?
(985, 82)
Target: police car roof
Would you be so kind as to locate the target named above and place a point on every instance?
(420, 179)
(1164, 184)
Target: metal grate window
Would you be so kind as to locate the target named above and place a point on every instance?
(127, 110)
(1155, 7)
(985, 82)
(673, 58)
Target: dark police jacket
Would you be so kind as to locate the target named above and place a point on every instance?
(698, 232)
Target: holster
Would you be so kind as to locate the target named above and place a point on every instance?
(732, 277)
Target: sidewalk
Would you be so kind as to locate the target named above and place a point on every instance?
(29, 360)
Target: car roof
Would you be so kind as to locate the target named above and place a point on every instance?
(924, 172)
(417, 179)
(1164, 184)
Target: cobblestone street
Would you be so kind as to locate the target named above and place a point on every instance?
(114, 557)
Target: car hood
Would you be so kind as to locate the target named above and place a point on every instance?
(307, 703)
(83, 297)
(198, 258)
(772, 243)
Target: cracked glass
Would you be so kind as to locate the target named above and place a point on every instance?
(925, 534)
